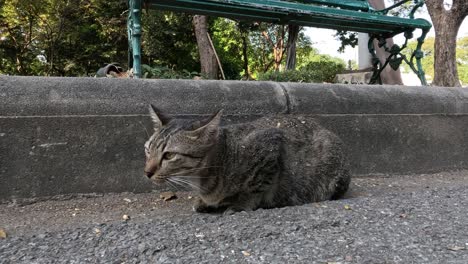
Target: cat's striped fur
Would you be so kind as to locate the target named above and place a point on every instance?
(271, 162)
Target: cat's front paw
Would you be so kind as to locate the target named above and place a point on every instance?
(233, 209)
(202, 207)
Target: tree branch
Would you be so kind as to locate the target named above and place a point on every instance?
(460, 6)
(436, 4)
(268, 39)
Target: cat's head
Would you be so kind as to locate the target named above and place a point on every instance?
(181, 150)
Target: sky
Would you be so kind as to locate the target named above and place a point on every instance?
(325, 42)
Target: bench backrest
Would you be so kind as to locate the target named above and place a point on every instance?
(361, 5)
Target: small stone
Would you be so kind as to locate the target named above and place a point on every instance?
(245, 253)
(456, 248)
(127, 200)
(347, 207)
(97, 230)
(3, 234)
(167, 196)
(126, 217)
(190, 197)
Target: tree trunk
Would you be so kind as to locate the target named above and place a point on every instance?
(446, 24)
(293, 33)
(209, 66)
(279, 48)
(388, 75)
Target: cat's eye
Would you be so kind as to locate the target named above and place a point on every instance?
(169, 155)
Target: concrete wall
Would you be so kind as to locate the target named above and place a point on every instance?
(84, 135)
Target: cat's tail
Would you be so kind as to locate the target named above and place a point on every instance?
(342, 185)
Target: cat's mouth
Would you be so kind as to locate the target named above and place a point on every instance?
(158, 179)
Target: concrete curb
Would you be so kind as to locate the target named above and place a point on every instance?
(63, 136)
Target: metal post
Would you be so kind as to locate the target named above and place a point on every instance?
(364, 60)
(135, 34)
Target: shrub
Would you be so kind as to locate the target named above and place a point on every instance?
(319, 68)
(325, 69)
(163, 72)
(289, 76)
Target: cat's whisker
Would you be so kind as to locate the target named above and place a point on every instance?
(195, 169)
(188, 183)
(146, 130)
(172, 185)
(190, 176)
(183, 183)
(177, 183)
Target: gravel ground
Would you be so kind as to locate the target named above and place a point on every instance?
(404, 219)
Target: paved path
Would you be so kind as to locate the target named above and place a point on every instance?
(404, 219)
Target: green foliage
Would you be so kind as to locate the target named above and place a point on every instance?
(290, 76)
(347, 39)
(66, 38)
(168, 39)
(319, 68)
(326, 67)
(227, 40)
(163, 72)
(77, 37)
(462, 60)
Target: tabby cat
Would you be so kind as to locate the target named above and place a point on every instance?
(271, 162)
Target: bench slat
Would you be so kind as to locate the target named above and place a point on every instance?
(361, 5)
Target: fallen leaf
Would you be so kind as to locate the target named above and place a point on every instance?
(3, 234)
(166, 196)
(245, 253)
(456, 248)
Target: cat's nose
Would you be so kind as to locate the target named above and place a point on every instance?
(149, 174)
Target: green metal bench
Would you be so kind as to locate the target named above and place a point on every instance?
(352, 15)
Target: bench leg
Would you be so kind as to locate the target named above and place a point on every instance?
(419, 54)
(376, 64)
(134, 36)
(396, 57)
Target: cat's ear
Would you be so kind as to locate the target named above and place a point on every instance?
(159, 119)
(209, 128)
